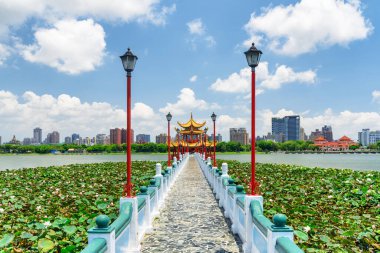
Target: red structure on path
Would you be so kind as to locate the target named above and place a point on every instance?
(191, 137)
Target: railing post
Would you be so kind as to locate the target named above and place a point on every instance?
(104, 231)
(279, 229)
(159, 177)
(248, 220)
(155, 211)
(147, 216)
(221, 191)
(134, 243)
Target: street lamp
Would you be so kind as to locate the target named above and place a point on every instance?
(177, 143)
(129, 62)
(213, 117)
(253, 56)
(169, 118)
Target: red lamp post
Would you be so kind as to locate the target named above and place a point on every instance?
(129, 62)
(177, 143)
(169, 118)
(253, 58)
(213, 117)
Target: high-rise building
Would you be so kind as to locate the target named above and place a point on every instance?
(314, 135)
(68, 140)
(52, 138)
(327, 133)
(303, 136)
(278, 129)
(161, 138)
(218, 138)
(142, 138)
(292, 128)
(115, 136)
(100, 139)
(27, 141)
(363, 137)
(239, 135)
(75, 138)
(286, 128)
(367, 137)
(0, 140)
(107, 140)
(119, 136)
(124, 136)
(37, 135)
(374, 137)
(87, 141)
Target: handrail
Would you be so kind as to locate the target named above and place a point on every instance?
(285, 245)
(140, 202)
(97, 245)
(240, 201)
(262, 222)
(124, 218)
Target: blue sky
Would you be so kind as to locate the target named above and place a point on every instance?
(60, 65)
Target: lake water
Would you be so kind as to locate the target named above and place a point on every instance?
(350, 161)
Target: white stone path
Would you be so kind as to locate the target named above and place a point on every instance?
(191, 220)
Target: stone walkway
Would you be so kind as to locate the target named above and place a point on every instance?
(191, 220)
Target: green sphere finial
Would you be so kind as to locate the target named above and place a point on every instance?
(152, 182)
(239, 189)
(143, 189)
(279, 220)
(102, 221)
(231, 181)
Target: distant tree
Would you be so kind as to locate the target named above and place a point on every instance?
(221, 147)
(353, 147)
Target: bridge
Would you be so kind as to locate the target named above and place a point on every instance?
(191, 207)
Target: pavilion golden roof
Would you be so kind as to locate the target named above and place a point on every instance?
(192, 124)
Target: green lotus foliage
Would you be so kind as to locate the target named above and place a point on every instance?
(51, 209)
(331, 210)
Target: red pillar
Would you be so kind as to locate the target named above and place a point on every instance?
(254, 184)
(128, 185)
(178, 146)
(205, 148)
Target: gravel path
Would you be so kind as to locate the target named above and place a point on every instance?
(191, 220)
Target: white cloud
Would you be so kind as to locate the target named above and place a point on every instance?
(376, 96)
(4, 53)
(193, 78)
(16, 12)
(145, 120)
(241, 82)
(196, 27)
(197, 31)
(308, 25)
(67, 114)
(186, 103)
(70, 46)
(210, 41)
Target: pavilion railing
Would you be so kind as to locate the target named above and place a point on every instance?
(257, 232)
(136, 214)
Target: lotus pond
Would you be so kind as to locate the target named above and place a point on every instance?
(50, 209)
(331, 210)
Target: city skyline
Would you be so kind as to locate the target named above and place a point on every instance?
(314, 79)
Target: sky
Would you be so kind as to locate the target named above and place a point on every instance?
(60, 68)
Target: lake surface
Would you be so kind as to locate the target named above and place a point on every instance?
(349, 161)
